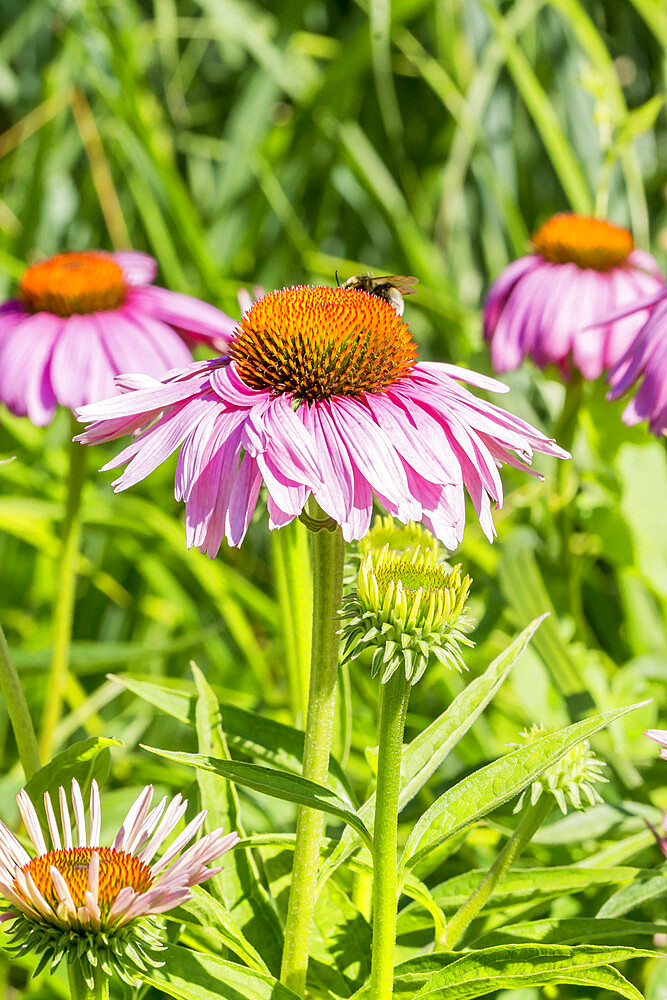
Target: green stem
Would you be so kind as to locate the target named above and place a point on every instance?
(63, 605)
(566, 425)
(291, 567)
(17, 709)
(530, 822)
(328, 550)
(79, 988)
(394, 696)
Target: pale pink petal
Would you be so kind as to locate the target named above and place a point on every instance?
(138, 268)
(79, 814)
(31, 822)
(198, 319)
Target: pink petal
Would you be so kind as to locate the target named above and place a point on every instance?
(138, 268)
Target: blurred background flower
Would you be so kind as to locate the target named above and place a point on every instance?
(645, 360)
(550, 305)
(82, 318)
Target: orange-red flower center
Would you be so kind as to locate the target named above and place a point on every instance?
(587, 242)
(117, 871)
(73, 283)
(318, 342)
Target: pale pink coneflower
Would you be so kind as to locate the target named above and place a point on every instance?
(645, 359)
(321, 394)
(660, 736)
(81, 319)
(551, 305)
(72, 890)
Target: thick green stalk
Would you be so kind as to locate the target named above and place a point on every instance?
(63, 605)
(394, 696)
(18, 712)
(79, 988)
(328, 551)
(292, 574)
(530, 822)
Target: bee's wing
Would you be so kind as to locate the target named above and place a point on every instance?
(404, 283)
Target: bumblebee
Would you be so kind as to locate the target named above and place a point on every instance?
(390, 287)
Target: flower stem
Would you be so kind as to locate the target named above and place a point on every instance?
(63, 605)
(328, 550)
(291, 566)
(566, 425)
(79, 988)
(17, 709)
(530, 822)
(394, 696)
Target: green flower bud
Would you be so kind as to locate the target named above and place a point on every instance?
(409, 607)
(568, 779)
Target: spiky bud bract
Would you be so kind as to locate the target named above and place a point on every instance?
(570, 778)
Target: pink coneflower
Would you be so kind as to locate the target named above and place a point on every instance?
(81, 319)
(77, 886)
(660, 736)
(550, 305)
(320, 394)
(647, 357)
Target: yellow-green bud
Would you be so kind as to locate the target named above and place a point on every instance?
(409, 607)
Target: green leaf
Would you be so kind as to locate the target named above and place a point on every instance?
(639, 120)
(524, 885)
(238, 885)
(190, 975)
(513, 966)
(214, 927)
(422, 757)
(84, 761)
(277, 784)
(525, 592)
(570, 930)
(494, 784)
(428, 750)
(248, 732)
(634, 895)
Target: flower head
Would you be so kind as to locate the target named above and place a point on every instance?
(81, 319)
(77, 899)
(408, 607)
(321, 394)
(552, 304)
(646, 359)
(568, 779)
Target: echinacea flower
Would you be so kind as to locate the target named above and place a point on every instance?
(78, 899)
(646, 358)
(551, 305)
(81, 319)
(660, 736)
(320, 394)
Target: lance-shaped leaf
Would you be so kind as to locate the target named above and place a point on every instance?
(570, 930)
(494, 784)
(277, 784)
(191, 975)
(521, 886)
(514, 966)
(248, 732)
(238, 885)
(423, 756)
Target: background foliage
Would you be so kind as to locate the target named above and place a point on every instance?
(248, 143)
